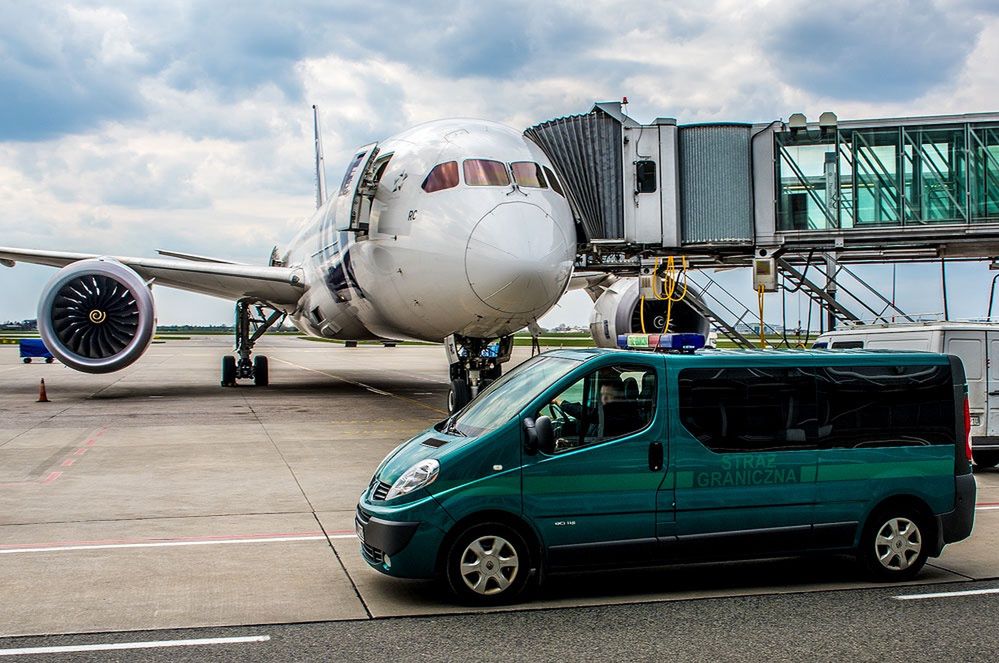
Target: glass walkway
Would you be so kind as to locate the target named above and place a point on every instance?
(885, 176)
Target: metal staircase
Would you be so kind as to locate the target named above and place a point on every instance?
(887, 313)
(721, 308)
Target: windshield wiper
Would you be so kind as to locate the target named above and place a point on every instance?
(450, 428)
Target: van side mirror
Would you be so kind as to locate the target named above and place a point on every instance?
(544, 434)
(530, 436)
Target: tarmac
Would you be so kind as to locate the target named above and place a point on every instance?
(153, 498)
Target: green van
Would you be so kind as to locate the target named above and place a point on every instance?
(606, 458)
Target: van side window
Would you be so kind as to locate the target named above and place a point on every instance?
(847, 345)
(885, 406)
(735, 410)
(608, 403)
(443, 176)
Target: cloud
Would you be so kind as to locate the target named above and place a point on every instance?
(875, 51)
(64, 69)
(188, 125)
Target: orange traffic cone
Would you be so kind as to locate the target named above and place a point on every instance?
(42, 396)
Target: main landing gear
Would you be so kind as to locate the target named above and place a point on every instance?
(248, 330)
(475, 362)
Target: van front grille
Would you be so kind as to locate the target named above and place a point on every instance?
(380, 491)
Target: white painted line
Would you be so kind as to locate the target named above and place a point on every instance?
(987, 508)
(152, 644)
(159, 544)
(342, 536)
(945, 595)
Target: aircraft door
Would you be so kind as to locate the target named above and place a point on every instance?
(353, 199)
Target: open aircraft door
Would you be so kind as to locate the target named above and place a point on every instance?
(353, 203)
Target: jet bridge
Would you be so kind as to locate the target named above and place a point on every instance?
(785, 197)
(904, 189)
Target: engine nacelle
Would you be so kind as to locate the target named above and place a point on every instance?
(617, 312)
(96, 315)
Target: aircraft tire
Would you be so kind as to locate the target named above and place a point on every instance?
(459, 395)
(228, 371)
(260, 371)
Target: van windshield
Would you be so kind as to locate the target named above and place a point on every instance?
(503, 399)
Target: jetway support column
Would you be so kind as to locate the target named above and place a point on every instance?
(830, 289)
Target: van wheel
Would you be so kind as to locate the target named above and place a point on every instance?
(894, 546)
(986, 459)
(488, 564)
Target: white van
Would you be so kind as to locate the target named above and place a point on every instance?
(976, 343)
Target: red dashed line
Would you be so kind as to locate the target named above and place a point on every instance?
(172, 539)
(80, 451)
(51, 477)
(68, 462)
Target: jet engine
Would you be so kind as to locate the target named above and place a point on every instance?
(96, 315)
(617, 311)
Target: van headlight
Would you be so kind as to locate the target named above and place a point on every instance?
(422, 474)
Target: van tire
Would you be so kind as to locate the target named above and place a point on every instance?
(890, 549)
(507, 555)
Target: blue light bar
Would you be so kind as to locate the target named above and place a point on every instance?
(661, 342)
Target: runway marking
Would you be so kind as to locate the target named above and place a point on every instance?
(80, 451)
(151, 644)
(51, 477)
(360, 384)
(944, 595)
(68, 462)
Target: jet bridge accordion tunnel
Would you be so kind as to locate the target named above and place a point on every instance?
(877, 190)
(659, 185)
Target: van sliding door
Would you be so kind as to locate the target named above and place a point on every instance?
(745, 457)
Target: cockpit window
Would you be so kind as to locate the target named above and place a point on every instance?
(443, 176)
(553, 181)
(484, 172)
(528, 174)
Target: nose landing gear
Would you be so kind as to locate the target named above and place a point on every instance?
(249, 329)
(474, 362)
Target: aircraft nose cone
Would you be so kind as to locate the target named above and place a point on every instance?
(518, 259)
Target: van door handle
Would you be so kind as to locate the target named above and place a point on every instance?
(994, 392)
(656, 456)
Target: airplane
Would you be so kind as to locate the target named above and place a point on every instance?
(457, 231)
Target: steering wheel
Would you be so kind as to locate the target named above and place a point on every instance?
(557, 410)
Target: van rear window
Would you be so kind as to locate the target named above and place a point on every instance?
(733, 410)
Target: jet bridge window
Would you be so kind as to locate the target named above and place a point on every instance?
(443, 176)
(528, 174)
(485, 172)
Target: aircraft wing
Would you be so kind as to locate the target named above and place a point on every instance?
(279, 286)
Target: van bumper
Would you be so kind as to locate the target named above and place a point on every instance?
(405, 548)
(956, 525)
(985, 443)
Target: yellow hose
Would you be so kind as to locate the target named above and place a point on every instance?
(763, 338)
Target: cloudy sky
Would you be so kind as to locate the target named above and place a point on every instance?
(131, 126)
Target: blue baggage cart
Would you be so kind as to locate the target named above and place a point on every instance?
(34, 348)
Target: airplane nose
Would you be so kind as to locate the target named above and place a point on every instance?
(518, 258)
